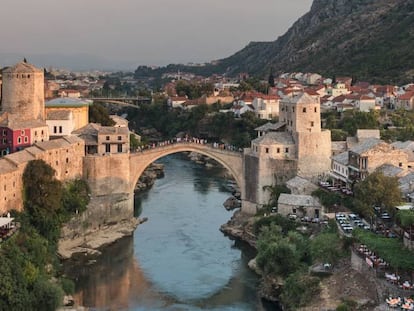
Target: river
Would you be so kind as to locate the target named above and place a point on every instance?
(178, 259)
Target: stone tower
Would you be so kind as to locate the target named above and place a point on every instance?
(295, 146)
(302, 117)
(23, 92)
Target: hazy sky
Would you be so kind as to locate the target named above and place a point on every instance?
(143, 31)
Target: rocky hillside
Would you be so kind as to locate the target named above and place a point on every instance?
(368, 39)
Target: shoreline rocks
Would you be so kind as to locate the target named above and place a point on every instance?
(148, 177)
(89, 244)
(232, 203)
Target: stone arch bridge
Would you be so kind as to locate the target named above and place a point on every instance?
(112, 178)
(231, 160)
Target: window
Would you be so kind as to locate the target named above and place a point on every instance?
(107, 147)
(57, 163)
(312, 123)
(304, 109)
(119, 138)
(293, 109)
(278, 150)
(60, 129)
(294, 210)
(4, 141)
(42, 133)
(400, 164)
(267, 150)
(19, 140)
(55, 129)
(22, 132)
(256, 148)
(67, 160)
(107, 137)
(35, 133)
(316, 109)
(119, 147)
(4, 132)
(286, 150)
(26, 139)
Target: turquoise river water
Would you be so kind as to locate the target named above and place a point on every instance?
(178, 259)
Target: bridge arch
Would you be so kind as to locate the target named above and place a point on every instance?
(232, 161)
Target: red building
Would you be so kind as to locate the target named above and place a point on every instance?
(12, 140)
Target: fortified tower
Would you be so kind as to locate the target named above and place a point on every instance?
(313, 145)
(296, 145)
(23, 92)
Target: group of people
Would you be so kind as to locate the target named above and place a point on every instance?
(402, 303)
(373, 260)
(188, 139)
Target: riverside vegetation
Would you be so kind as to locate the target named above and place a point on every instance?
(286, 250)
(30, 271)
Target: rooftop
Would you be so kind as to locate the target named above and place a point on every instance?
(298, 200)
(67, 102)
(275, 138)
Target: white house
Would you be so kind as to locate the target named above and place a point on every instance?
(60, 122)
(266, 106)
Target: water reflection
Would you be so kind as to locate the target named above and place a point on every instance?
(178, 260)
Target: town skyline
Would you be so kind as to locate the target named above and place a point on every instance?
(123, 35)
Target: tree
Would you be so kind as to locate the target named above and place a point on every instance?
(271, 80)
(98, 114)
(326, 247)
(43, 198)
(377, 190)
(76, 196)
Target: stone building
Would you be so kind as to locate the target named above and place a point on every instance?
(299, 205)
(296, 145)
(104, 140)
(23, 92)
(79, 109)
(22, 118)
(64, 155)
(302, 117)
(364, 158)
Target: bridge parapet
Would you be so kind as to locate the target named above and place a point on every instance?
(231, 160)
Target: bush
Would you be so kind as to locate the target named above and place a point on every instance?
(46, 296)
(298, 290)
(68, 286)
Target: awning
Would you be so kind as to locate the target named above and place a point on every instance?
(4, 221)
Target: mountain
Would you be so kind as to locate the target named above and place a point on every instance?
(367, 39)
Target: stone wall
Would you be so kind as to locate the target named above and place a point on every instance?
(262, 172)
(63, 155)
(107, 175)
(313, 153)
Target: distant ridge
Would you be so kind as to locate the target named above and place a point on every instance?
(369, 40)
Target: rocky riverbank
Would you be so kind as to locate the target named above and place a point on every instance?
(344, 283)
(148, 177)
(240, 226)
(89, 245)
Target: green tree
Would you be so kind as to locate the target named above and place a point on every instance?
(326, 247)
(43, 198)
(377, 190)
(298, 290)
(278, 255)
(76, 196)
(98, 114)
